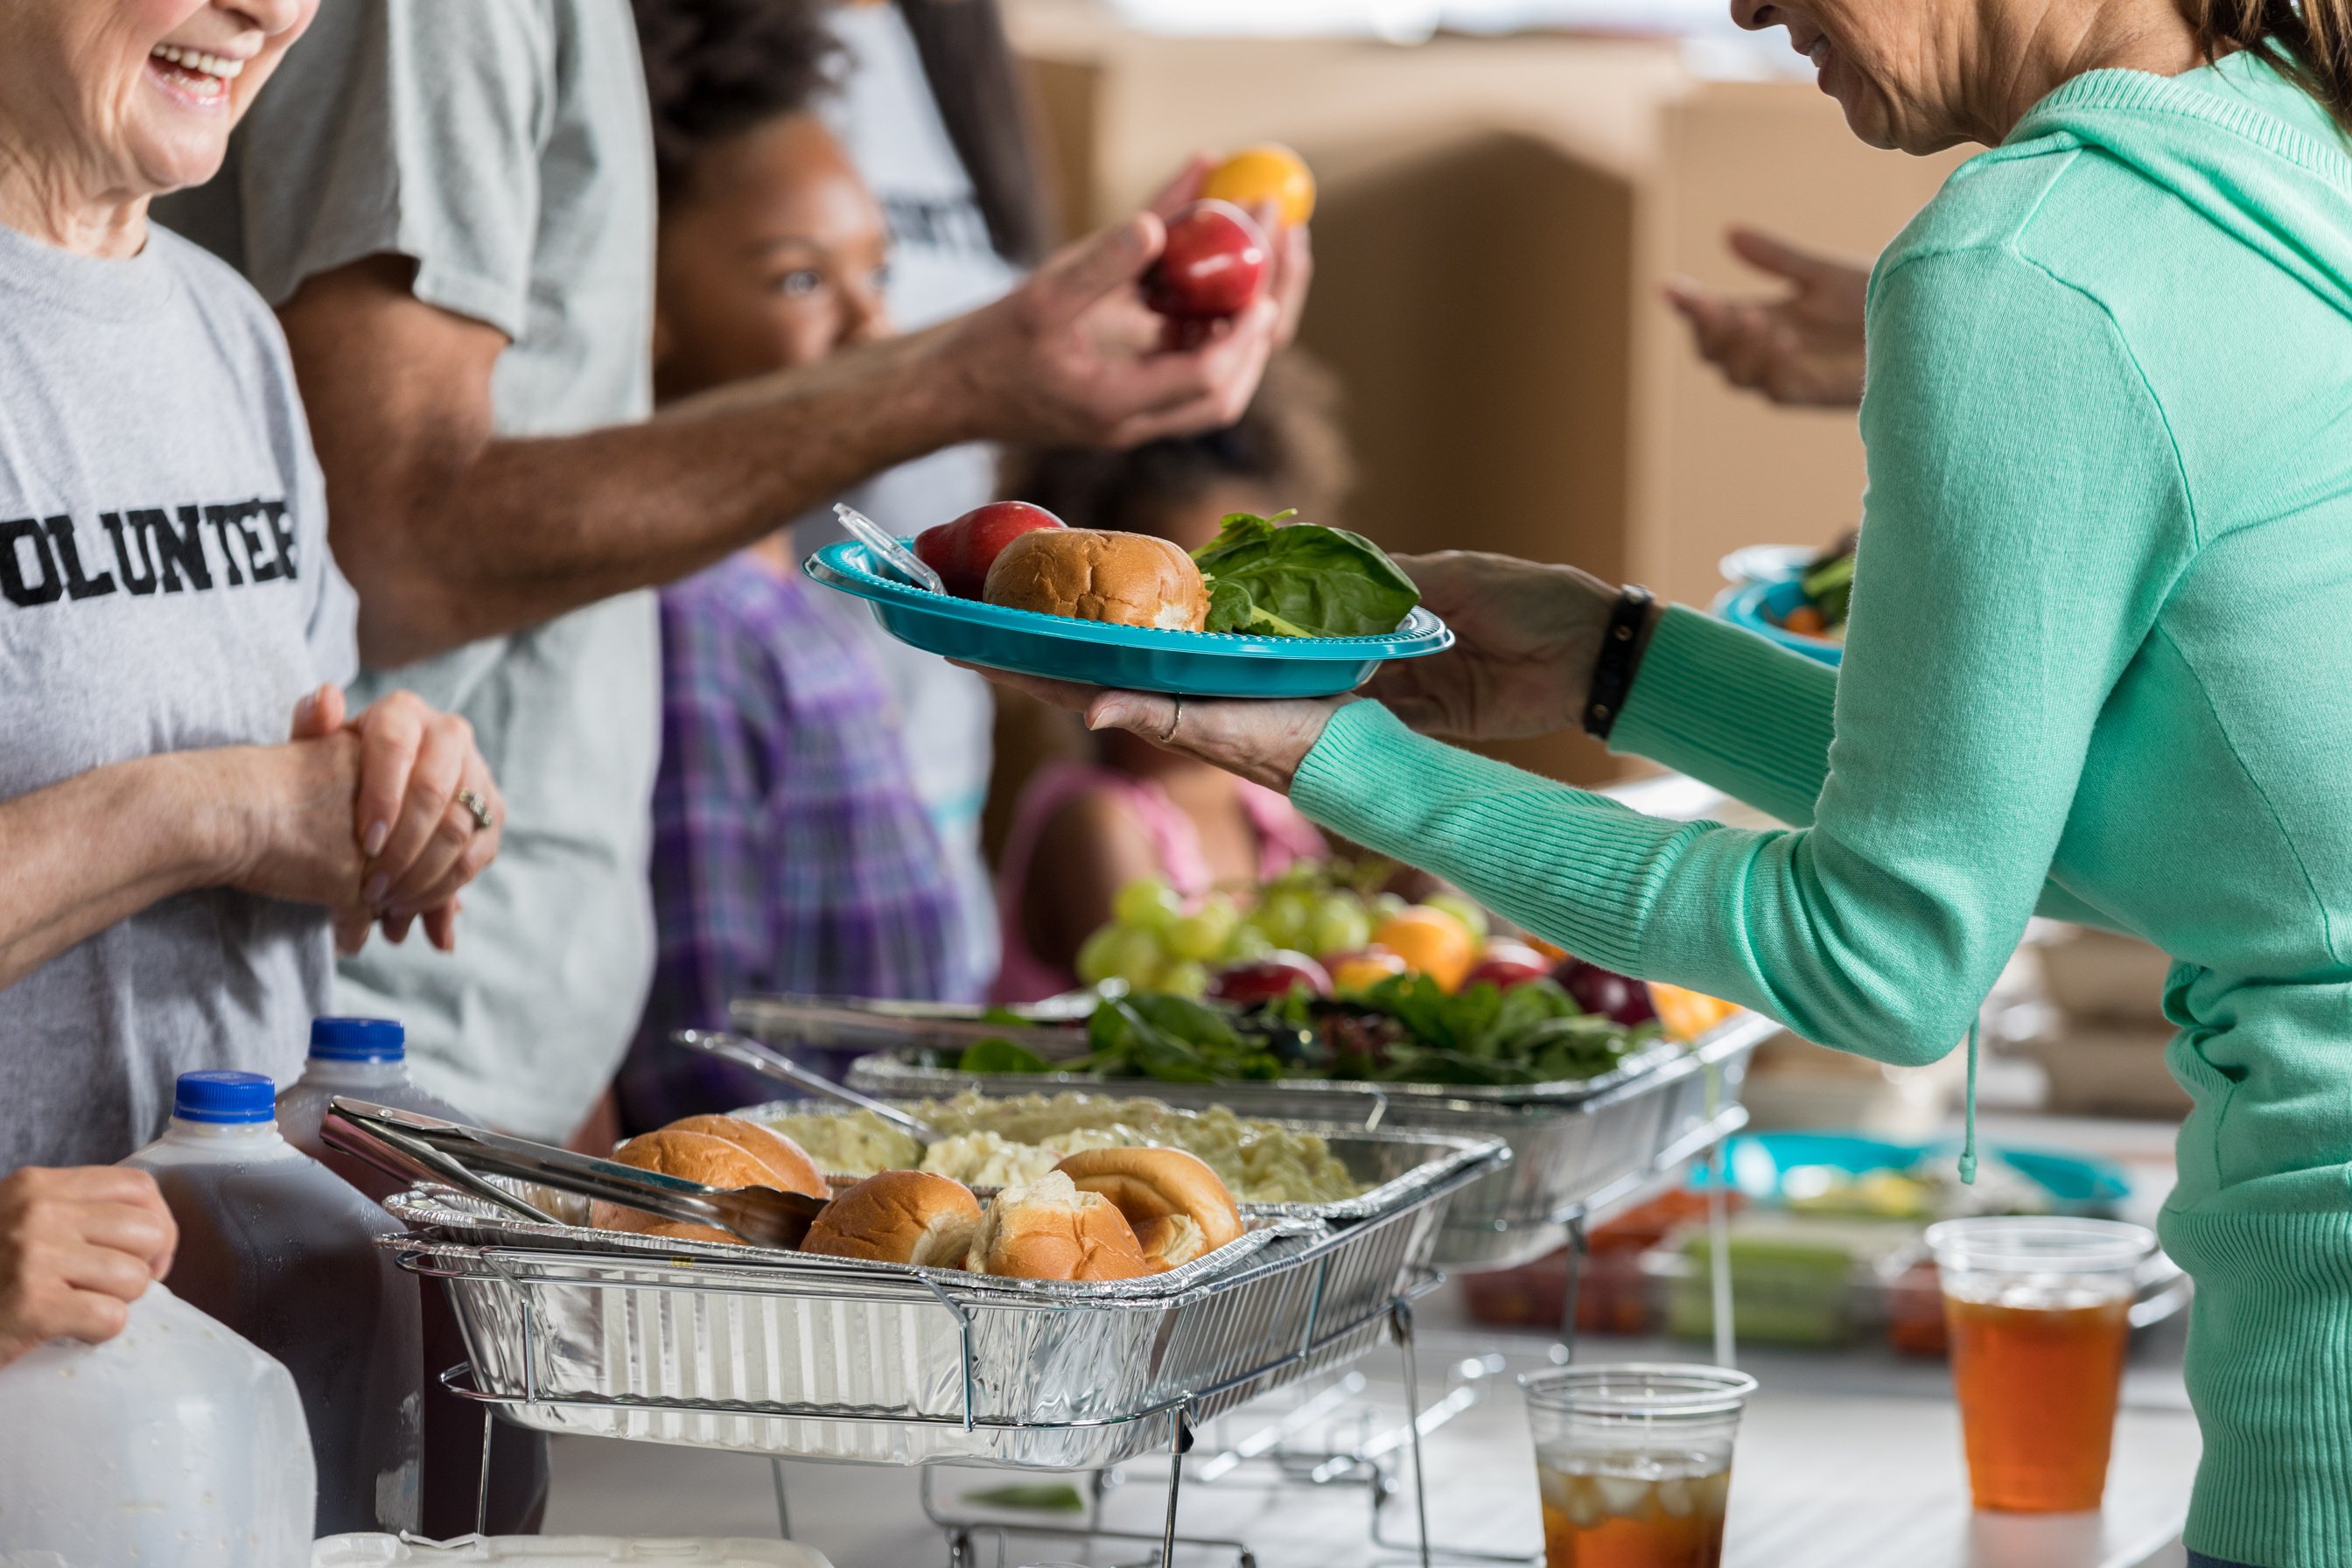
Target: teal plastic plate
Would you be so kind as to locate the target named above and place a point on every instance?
(1139, 659)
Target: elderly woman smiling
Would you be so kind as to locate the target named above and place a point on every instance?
(2100, 658)
(171, 849)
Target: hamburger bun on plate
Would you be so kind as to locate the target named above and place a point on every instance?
(1090, 574)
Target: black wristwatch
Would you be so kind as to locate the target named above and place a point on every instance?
(1621, 658)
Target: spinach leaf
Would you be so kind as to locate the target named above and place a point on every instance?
(1001, 1055)
(1304, 580)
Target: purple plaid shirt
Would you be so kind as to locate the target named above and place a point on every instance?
(789, 851)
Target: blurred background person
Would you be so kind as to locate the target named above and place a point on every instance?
(1802, 348)
(792, 852)
(1116, 808)
(933, 113)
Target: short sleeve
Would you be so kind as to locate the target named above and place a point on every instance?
(407, 127)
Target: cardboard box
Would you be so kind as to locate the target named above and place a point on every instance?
(1497, 218)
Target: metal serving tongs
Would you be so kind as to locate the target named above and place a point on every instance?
(407, 1144)
(784, 1070)
(1055, 1030)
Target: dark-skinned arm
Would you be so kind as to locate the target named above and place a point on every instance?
(452, 533)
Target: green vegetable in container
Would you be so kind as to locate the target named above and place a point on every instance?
(1301, 581)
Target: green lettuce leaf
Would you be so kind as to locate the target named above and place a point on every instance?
(1303, 580)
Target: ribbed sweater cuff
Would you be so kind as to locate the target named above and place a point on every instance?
(2270, 1374)
(1730, 709)
(1575, 869)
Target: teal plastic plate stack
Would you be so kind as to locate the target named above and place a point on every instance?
(1138, 658)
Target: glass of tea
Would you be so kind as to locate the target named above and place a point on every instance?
(2038, 1312)
(1634, 1462)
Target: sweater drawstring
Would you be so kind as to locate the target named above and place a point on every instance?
(1969, 1118)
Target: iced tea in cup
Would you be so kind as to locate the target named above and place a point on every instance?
(2039, 1313)
(1634, 1462)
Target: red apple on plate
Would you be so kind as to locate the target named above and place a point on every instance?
(1508, 963)
(1270, 978)
(962, 552)
(1213, 265)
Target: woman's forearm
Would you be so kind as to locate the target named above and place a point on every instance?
(81, 855)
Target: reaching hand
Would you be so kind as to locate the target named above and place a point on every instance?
(1073, 357)
(1525, 638)
(1802, 350)
(77, 1247)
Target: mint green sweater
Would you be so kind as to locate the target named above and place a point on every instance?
(2099, 662)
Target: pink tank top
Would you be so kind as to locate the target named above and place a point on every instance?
(1284, 839)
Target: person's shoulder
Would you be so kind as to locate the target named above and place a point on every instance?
(233, 317)
(213, 286)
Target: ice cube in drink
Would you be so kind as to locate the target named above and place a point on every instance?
(1633, 1509)
(2037, 1371)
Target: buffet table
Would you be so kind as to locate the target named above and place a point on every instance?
(1849, 1459)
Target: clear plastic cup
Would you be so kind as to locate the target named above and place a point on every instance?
(2039, 1316)
(1634, 1462)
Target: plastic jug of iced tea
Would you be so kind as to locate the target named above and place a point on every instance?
(282, 1250)
(174, 1442)
(367, 1058)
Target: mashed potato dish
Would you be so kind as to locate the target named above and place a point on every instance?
(1008, 1143)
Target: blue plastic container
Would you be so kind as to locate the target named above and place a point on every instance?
(1759, 605)
(2077, 1184)
(1138, 658)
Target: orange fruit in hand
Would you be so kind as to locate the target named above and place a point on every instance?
(1431, 941)
(1268, 172)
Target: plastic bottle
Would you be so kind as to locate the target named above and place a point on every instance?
(282, 1250)
(174, 1442)
(367, 1058)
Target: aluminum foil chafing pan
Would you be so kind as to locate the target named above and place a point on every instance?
(785, 1354)
(1573, 1145)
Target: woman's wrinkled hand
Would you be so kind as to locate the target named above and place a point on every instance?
(423, 843)
(1802, 350)
(1526, 639)
(77, 1248)
(360, 814)
(1263, 741)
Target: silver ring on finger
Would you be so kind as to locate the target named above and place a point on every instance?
(1174, 723)
(478, 808)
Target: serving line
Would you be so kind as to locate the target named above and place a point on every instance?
(779, 1354)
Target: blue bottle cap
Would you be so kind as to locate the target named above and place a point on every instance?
(224, 1097)
(358, 1040)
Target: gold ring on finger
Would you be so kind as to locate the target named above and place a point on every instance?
(478, 808)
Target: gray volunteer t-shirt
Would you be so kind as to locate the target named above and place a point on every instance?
(504, 146)
(165, 585)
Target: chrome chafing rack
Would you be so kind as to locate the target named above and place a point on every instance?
(781, 1353)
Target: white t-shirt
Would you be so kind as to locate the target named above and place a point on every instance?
(941, 264)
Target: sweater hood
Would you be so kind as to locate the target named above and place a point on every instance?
(2236, 141)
